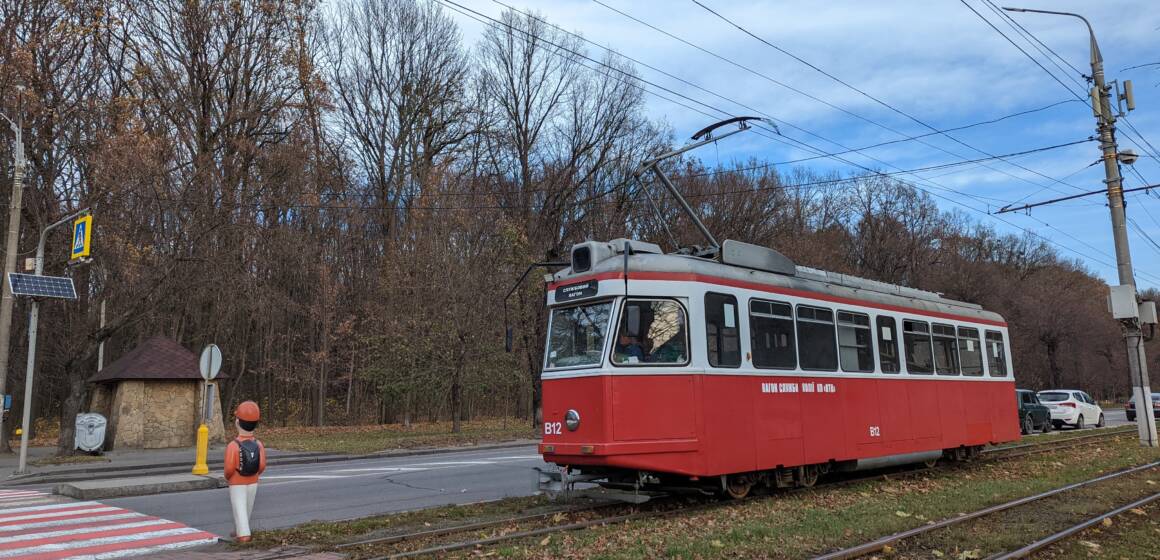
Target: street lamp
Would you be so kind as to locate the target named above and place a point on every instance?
(1128, 315)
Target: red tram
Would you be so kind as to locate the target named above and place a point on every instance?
(672, 369)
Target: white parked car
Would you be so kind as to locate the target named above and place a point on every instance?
(1073, 408)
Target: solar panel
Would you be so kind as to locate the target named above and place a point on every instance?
(32, 285)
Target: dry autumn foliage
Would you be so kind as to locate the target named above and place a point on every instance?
(341, 197)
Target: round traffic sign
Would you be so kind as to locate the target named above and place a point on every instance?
(211, 362)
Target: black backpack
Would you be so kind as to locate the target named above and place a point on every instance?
(249, 457)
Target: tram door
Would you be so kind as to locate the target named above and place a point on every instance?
(856, 355)
(894, 405)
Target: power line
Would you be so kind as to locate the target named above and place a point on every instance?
(480, 17)
(883, 103)
(920, 179)
(828, 104)
(915, 170)
(588, 200)
(1025, 53)
(1007, 209)
(1038, 45)
(1068, 176)
(1154, 153)
(811, 133)
(1140, 231)
(667, 74)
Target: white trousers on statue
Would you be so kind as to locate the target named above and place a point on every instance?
(242, 502)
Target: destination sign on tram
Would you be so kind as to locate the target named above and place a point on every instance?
(573, 292)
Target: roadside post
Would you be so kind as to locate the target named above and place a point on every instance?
(38, 286)
(210, 364)
(14, 213)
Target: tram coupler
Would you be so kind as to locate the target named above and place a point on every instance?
(560, 482)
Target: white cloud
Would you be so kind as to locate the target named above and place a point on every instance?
(934, 60)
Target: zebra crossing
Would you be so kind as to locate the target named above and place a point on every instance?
(39, 526)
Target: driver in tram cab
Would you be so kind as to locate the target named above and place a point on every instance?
(628, 350)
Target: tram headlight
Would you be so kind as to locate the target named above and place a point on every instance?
(572, 420)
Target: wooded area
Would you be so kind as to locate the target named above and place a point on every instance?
(340, 196)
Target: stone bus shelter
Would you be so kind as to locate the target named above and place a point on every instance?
(151, 396)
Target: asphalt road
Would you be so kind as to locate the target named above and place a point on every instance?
(296, 494)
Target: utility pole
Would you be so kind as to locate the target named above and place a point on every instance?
(1102, 107)
(10, 249)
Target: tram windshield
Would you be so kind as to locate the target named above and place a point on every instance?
(576, 335)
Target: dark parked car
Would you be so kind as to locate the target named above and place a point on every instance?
(1130, 407)
(1032, 415)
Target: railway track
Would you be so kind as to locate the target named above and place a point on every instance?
(880, 544)
(1074, 530)
(1020, 450)
(513, 528)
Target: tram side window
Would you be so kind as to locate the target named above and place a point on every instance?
(946, 352)
(996, 354)
(771, 334)
(854, 346)
(888, 344)
(817, 347)
(916, 338)
(651, 332)
(721, 330)
(970, 352)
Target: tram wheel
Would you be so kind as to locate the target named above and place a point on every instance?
(737, 487)
(930, 463)
(808, 476)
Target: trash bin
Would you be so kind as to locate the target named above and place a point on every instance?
(90, 433)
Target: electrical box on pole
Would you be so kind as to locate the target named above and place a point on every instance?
(1122, 302)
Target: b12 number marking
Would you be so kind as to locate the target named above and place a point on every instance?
(552, 428)
(875, 431)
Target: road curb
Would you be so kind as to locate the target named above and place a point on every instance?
(74, 475)
(137, 486)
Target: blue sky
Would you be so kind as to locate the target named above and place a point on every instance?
(936, 61)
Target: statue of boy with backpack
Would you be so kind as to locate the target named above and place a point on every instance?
(245, 460)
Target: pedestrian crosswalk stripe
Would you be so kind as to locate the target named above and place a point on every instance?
(99, 541)
(62, 522)
(83, 512)
(9, 512)
(77, 531)
(56, 530)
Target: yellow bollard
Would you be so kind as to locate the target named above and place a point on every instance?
(199, 466)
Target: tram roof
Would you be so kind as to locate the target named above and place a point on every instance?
(647, 257)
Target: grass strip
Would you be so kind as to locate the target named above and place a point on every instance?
(804, 524)
(369, 439)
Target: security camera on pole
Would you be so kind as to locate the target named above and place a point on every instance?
(210, 364)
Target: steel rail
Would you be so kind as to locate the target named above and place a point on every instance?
(1103, 433)
(1047, 447)
(439, 549)
(1065, 444)
(1050, 540)
(452, 529)
(879, 544)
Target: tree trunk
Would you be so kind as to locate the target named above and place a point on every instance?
(70, 407)
(1053, 364)
(350, 385)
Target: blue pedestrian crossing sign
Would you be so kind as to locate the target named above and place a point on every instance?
(82, 237)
